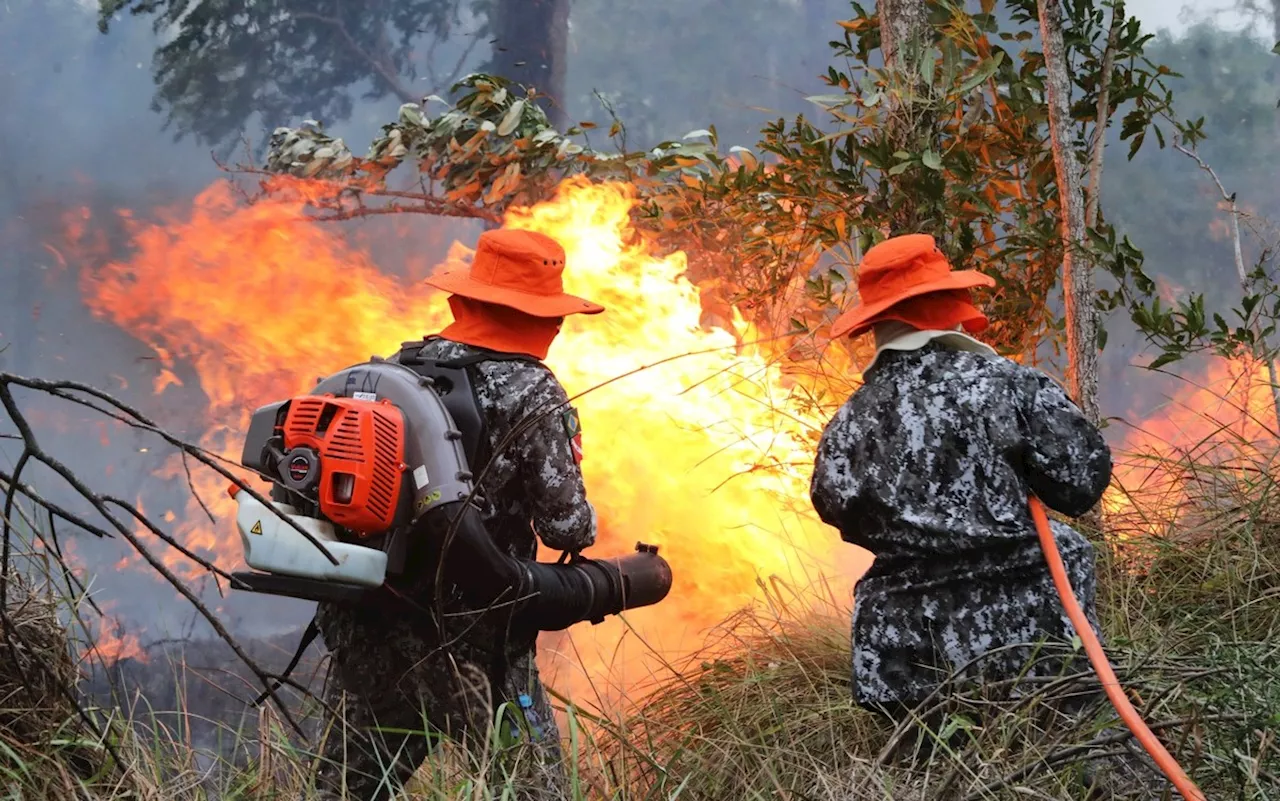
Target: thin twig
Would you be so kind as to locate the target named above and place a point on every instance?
(32, 447)
(136, 419)
(1074, 752)
(1103, 116)
(378, 65)
(1230, 199)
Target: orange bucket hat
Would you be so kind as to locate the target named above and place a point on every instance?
(899, 269)
(522, 270)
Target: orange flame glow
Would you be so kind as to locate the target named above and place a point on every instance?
(115, 642)
(707, 456)
(1222, 422)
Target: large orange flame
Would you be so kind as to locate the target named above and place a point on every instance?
(1214, 427)
(707, 455)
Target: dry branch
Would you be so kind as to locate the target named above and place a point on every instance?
(1237, 251)
(32, 451)
(1103, 117)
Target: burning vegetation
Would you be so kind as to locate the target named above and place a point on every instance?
(706, 453)
(702, 393)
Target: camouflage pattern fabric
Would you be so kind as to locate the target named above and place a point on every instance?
(928, 466)
(395, 691)
(394, 671)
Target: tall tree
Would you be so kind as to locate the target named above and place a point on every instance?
(226, 62)
(1077, 270)
(905, 37)
(530, 47)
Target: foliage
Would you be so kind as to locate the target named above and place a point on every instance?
(1208, 188)
(491, 150)
(777, 234)
(982, 181)
(228, 60)
(765, 710)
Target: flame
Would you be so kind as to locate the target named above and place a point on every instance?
(114, 642)
(1224, 420)
(706, 455)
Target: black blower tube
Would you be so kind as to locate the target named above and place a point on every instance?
(546, 597)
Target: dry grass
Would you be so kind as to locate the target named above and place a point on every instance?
(1191, 606)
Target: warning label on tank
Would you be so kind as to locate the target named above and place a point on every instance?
(257, 528)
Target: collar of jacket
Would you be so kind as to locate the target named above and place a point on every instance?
(894, 335)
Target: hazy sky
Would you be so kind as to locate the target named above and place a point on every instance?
(1176, 14)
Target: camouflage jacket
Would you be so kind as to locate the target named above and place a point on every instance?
(928, 466)
(534, 485)
(533, 489)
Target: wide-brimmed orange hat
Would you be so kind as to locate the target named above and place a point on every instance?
(519, 269)
(899, 268)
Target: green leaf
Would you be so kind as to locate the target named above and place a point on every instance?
(1168, 357)
(928, 64)
(985, 70)
(829, 101)
(511, 119)
(898, 169)
(932, 160)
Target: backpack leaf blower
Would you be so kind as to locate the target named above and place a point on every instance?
(371, 484)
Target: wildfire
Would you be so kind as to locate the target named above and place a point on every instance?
(115, 642)
(1211, 428)
(706, 455)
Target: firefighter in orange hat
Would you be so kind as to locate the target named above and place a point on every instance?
(928, 465)
(392, 671)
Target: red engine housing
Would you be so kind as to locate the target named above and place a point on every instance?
(360, 448)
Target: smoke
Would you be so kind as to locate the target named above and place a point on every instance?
(80, 137)
(78, 132)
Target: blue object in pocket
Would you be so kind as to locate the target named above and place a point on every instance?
(530, 716)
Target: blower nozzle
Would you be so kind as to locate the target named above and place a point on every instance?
(593, 589)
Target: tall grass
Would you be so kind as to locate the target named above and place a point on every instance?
(1190, 600)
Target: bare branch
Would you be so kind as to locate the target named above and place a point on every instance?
(1103, 116)
(379, 65)
(135, 419)
(1230, 199)
(33, 451)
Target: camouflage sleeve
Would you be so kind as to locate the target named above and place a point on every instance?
(550, 475)
(1068, 462)
(836, 487)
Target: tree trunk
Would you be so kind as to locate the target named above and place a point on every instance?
(901, 22)
(904, 26)
(1077, 272)
(530, 47)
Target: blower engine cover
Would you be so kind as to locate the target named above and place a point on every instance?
(351, 454)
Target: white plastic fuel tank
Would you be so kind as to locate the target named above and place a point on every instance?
(273, 546)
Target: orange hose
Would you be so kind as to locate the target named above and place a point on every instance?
(1093, 648)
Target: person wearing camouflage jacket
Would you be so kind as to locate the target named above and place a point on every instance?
(929, 465)
(394, 672)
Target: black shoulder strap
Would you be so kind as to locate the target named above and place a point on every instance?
(455, 385)
(308, 636)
